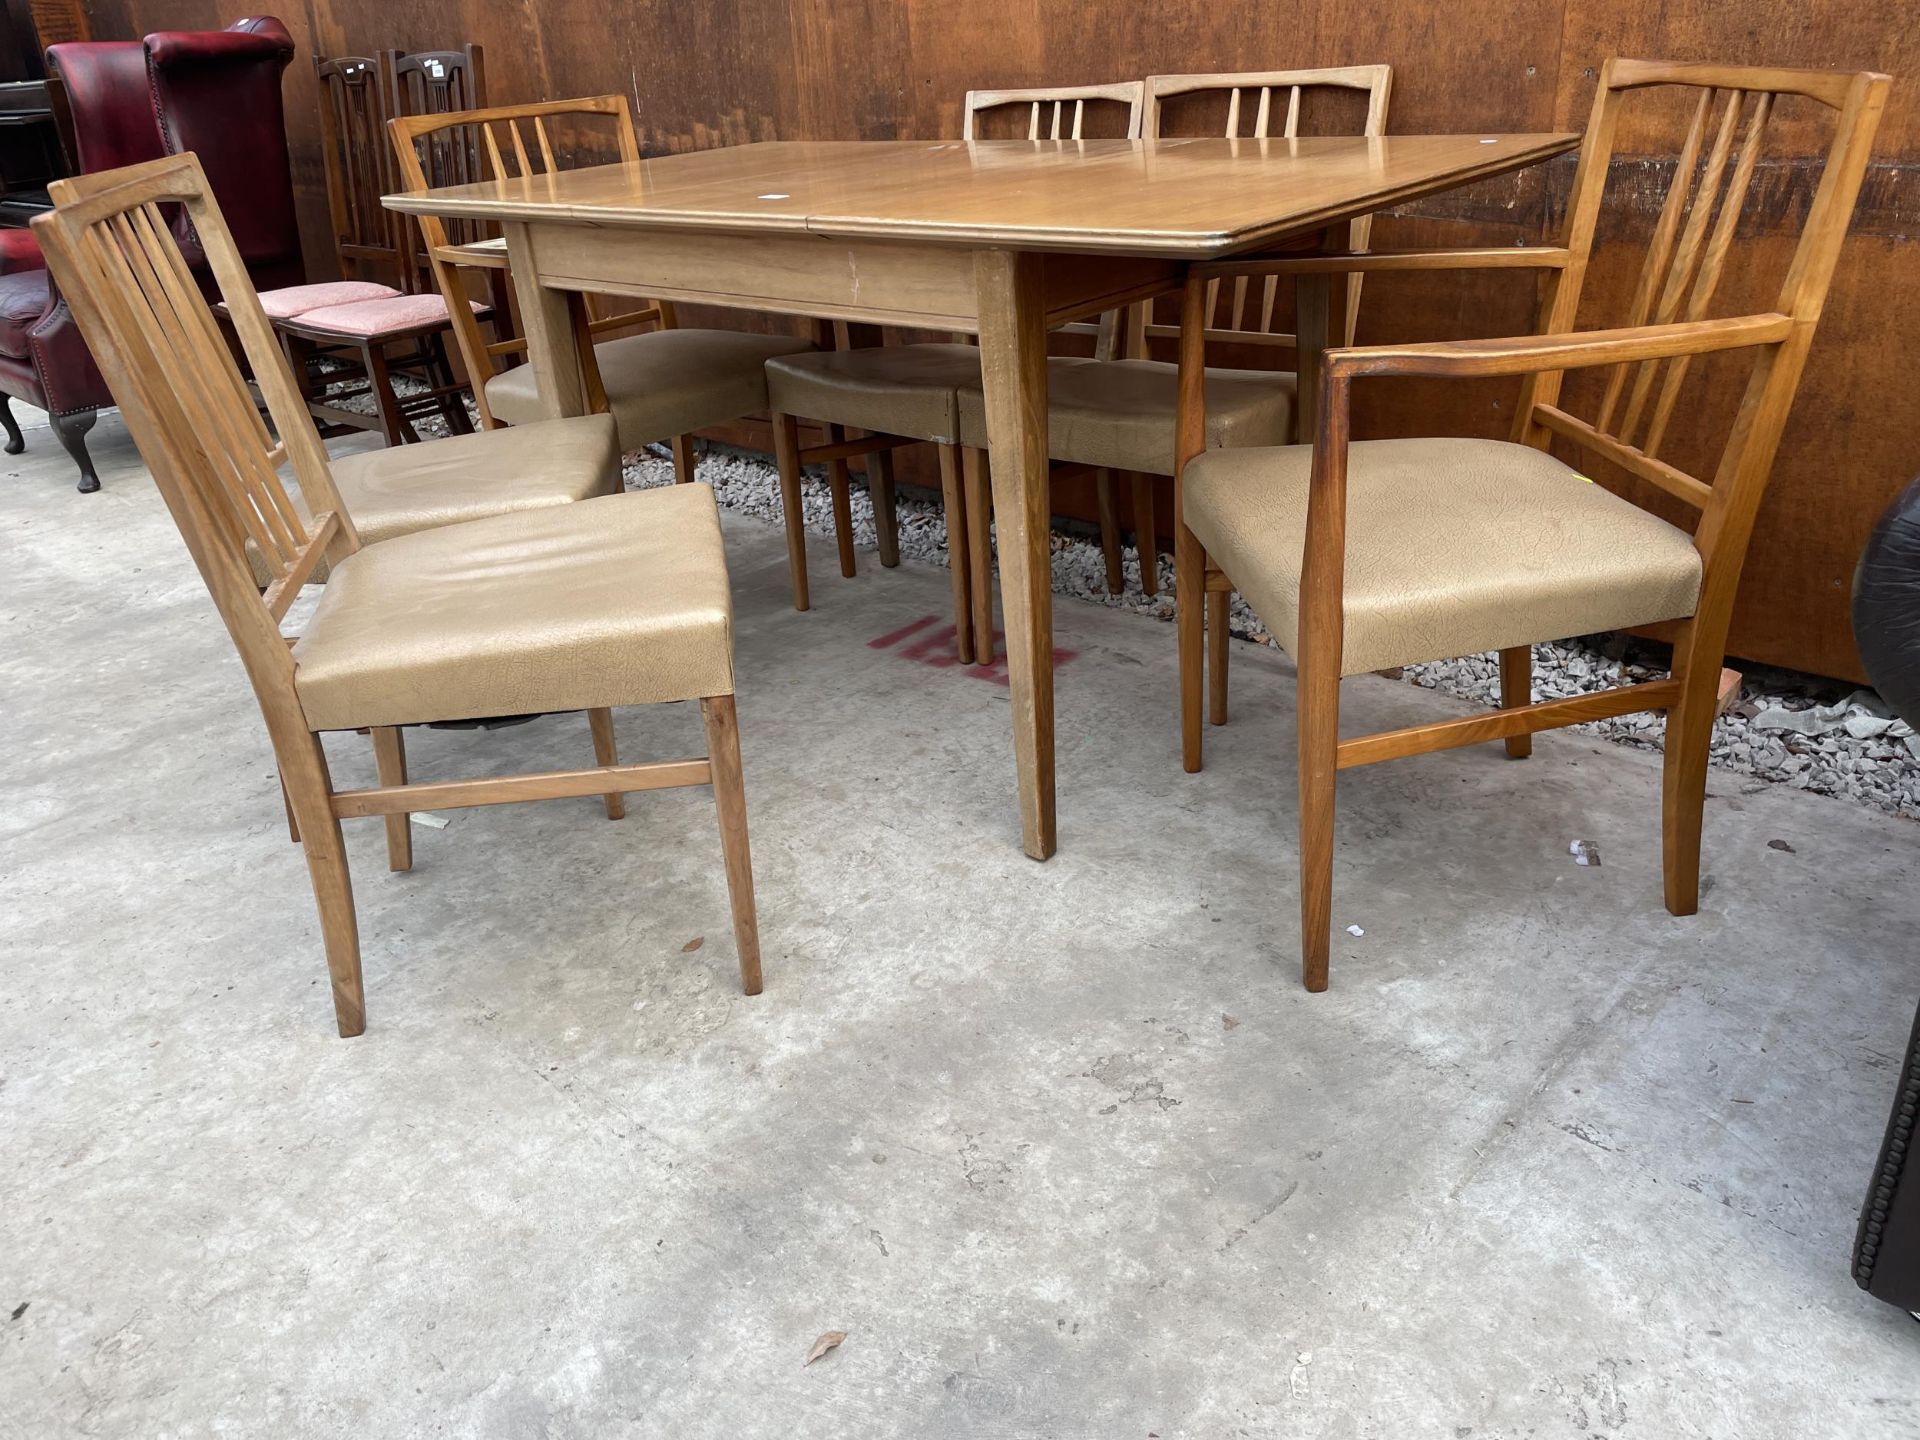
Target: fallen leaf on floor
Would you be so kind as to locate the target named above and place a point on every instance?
(1584, 852)
(692, 945)
(1781, 845)
(1355, 930)
(1228, 1022)
(829, 1341)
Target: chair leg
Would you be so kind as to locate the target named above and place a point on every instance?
(683, 460)
(886, 518)
(1516, 689)
(1189, 588)
(390, 759)
(293, 825)
(393, 424)
(1109, 529)
(16, 442)
(452, 406)
(1217, 636)
(977, 481)
(1684, 777)
(959, 572)
(72, 430)
(842, 504)
(1144, 537)
(1318, 698)
(310, 790)
(730, 799)
(606, 753)
(786, 450)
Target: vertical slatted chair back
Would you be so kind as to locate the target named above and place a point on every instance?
(1270, 105)
(506, 142)
(435, 82)
(1686, 259)
(1059, 112)
(466, 147)
(190, 411)
(359, 166)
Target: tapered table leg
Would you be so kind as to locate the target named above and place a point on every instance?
(1013, 365)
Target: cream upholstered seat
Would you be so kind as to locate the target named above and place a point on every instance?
(663, 383)
(1453, 547)
(1119, 414)
(620, 600)
(405, 488)
(909, 390)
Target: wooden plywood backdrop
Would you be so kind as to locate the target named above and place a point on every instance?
(712, 72)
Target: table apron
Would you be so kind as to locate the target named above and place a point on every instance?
(881, 282)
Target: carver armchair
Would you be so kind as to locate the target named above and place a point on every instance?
(1361, 555)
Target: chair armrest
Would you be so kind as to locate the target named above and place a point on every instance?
(1528, 354)
(1507, 257)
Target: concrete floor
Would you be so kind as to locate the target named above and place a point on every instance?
(1064, 1149)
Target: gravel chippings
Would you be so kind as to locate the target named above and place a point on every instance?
(1786, 728)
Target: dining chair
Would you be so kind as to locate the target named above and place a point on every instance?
(661, 384)
(354, 107)
(352, 338)
(1116, 416)
(896, 395)
(617, 600)
(1361, 555)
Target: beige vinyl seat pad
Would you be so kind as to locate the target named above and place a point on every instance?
(1120, 414)
(618, 600)
(404, 488)
(1454, 547)
(905, 390)
(663, 383)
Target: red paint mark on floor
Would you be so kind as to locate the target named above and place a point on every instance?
(930, 643)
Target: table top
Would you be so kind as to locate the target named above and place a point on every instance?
(1183, 197)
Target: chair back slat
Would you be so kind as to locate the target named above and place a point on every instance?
(1653, 272)
(1229, 316)
(1127, 97)
(1686, 259)
(1732, 203)
(189, 408)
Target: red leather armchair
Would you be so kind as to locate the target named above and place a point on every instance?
(217, 94)
(120, 102)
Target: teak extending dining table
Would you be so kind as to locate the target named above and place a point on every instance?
(1000, 239)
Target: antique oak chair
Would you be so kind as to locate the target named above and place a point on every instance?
(1362, 555)
(620, 600)
(906, 394)
(661, 384)
(1117, 414)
